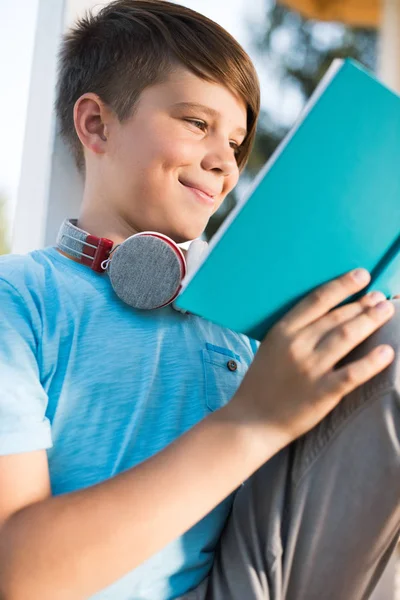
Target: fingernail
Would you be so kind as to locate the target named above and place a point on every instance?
(361, 275)
(376, 297)
(386, 352)
(384, 307)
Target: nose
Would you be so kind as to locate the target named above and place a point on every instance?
(220, 158)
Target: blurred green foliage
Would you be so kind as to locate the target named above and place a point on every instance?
(296, 52)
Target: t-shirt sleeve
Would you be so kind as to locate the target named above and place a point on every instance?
(23, 401)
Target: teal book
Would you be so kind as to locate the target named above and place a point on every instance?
(327, 201)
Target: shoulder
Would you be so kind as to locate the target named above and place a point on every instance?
(16, 283)
(24, 282)
(23, 270)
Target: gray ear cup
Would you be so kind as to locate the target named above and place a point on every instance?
(146, 271)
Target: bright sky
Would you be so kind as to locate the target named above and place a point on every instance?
(17, 30)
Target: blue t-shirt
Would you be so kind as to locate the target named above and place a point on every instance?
(102, 387)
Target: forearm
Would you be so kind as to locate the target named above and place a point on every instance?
(71, 546)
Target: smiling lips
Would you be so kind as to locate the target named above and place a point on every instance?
(202, 193)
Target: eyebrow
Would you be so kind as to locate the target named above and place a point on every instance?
(208, 111)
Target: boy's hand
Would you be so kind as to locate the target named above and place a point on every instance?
(295, 380)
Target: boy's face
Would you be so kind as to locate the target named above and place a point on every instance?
(170, 166)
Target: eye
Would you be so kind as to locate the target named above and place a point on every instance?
(198, 123)
(236, 147)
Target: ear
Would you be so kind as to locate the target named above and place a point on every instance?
(90, 120)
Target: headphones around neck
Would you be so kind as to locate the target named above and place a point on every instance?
(146, 270)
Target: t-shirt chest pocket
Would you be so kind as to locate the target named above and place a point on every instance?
(223, 373)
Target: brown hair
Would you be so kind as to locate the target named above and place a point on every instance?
(132, 44)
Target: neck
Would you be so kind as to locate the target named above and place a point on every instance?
(103, 224)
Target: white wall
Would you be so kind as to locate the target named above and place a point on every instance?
(50, 187)
(36, 168)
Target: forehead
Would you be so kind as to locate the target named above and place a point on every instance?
(182, 87)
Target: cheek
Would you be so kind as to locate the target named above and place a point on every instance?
(169, 145)
(176, 153)
(231, 182)
(163, 155)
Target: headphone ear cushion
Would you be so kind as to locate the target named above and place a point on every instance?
(194, 255)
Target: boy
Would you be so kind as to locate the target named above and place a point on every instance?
(125, 433)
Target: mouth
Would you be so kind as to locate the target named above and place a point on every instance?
(206, 196)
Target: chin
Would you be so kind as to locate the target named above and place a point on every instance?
(184, 234)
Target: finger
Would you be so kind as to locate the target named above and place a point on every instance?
(343, 339)
(348, 378)
(323, 299)
(338, 316)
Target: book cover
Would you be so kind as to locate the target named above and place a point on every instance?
(327, 201)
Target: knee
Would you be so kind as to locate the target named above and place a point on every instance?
(389, 379)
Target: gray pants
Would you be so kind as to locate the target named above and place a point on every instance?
(320, 520)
